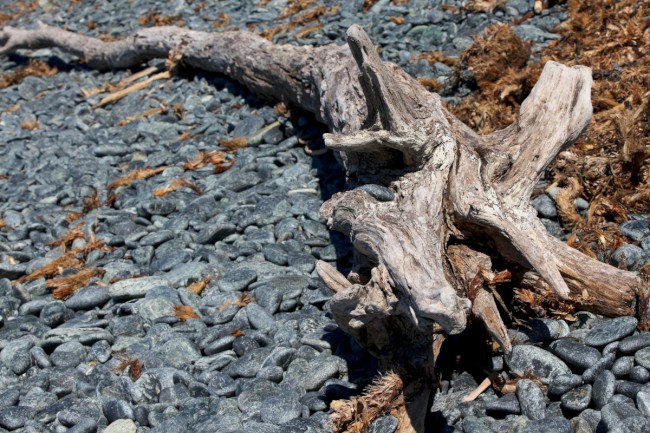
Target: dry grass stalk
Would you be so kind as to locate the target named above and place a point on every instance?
(308, 30)
(131, 365)
(243, 300)
(119, 94)
(237, 333)
(3, 224)
(108, 87)
(137, 174)
(198, 286)
(64, 287)
(355, 415)
(66, 239)
(509, 386)
(30, 125)
(215, 157)
(150, 112)
(234, 143)
(15, 10)
(54, 268)
(35, 68)
(175, 185)
(185, 312)
(11, 109)
(431, 84)
(487, 6)
(397, 19)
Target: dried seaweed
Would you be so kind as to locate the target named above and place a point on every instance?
(198, 286)
(214, 157)
(384, 396)
(237, 333)
(185, 312)
(137, 174)
(154, 18)
(30, 125)
(64, 287)
(35, 68)
(175, 185)
(234, 143)
(300, 13)
(132, 366)
(67, 238)
(54, 268)
(243, 300)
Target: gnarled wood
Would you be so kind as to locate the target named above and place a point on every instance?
(451, 186)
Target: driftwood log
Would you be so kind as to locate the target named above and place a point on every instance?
(450, 201)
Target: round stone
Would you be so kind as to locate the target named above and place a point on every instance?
(531, 399)
(603, 388)
(577, 399)
(642, 357)
(575, 354)
(540, 362)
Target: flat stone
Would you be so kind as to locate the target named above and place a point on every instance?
(603, 389)
(614, 413)
(280, 409)
(608, 330)
(633, 343)
(135, 287)
(622, 366)
(577, 399)
(216, 232)
(388, 424)
(627, 388)
(575, 354)
(563, 383)
(541, 363)
(643, 402)
(548, 425)
(88, 298)
(312, 374)
(628, 256)
(604, 363)
(639, 374)
(378, 192)
(642, 357)
(69, 354)
(237, 280)
(636, 229)
(87, 336)
(505, 405)
(544, 206)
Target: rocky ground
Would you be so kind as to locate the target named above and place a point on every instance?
(198, 307)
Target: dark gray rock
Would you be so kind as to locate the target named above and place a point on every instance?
(642, 357)
(639, 374)
(577, 399)
(15, 417)
(87, 336)
(214, 233)
(117, 409)
(633, 343)
(636, 229)
(541, 363)
(548, 425)
(563, 383)
(531, 399)
(628, 256)
(604, 363)
(505, 405)
(576, 354)
(608, 330)
(603, 389)
(643, 402)
(280, 409)
(156, 207)
(312, 374)
(69, 354)
(88, 298)
(613, 414)
(237, 280)
(135, 287)
(627, 388)
(622, 366)
(544, 206)
(388, 424)
(378, 192)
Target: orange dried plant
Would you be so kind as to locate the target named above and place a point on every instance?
(175, 185)
(64, 287)
(198, 286)
(137, 174)
(185, 312)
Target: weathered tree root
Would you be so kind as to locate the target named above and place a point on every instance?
(439, 199)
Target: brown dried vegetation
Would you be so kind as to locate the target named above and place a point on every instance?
(54, 268)
(14, 10)
(384, 396)
(185, 312)
(30, 125)
(234, 143)
(243, 300)
(175, 185)
(35, 68)
(156, 19)
(66, 239)
(64, 287)
(137, 174)
(300, 13)
(215, 157)
(198, 286)
(131, 365)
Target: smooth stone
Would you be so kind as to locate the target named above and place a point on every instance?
(544, 206)
(378, 192)
(603, 389)
(388, 424)
(541, 363)
(604, 363)
(312, 374)
(643, 402)
(608, 330)
(561, 384)
(543, 330)
(531, 399)
(214, 233)
(179, 352)
(548, 425)
(505, 405)
(629, 256)
(122, 426)
(87, 336)
(280, 409)
(153, 309)
(633, 343)
(575, 354)
(117, 409)
(15, 417)
(135, 287)
(157, 207)
(627, 388)
(636, 229)
(614, 413)
(577, 399)
(639, 374)
(237, 280)
(622, 366)
(157, 238)
(69, 354)
(642, 357)
(222, 385)
(88, 298)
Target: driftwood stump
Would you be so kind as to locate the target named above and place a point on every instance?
(432, 203)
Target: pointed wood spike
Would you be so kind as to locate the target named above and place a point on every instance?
(485, 309)
(333, 278)
(386, 104)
